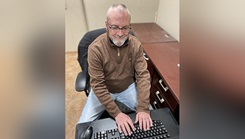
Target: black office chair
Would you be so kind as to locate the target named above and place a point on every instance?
(82, 80)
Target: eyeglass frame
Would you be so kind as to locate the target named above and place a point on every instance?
(116, 28)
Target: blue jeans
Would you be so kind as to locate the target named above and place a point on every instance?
(93, 109)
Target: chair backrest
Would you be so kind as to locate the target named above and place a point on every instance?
(84, 43)
(86, 40)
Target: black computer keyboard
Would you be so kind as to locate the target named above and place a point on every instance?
(157, 131)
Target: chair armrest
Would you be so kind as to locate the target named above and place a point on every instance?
(82, 81)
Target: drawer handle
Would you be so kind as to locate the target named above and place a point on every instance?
(165, 88)
(154, 104)
(146, 58)
(160, 99)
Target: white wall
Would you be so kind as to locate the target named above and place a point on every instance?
(74, 23)
(168, 17)
(141, 11)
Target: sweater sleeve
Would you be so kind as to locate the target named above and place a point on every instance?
(97, 82)
(143, 81)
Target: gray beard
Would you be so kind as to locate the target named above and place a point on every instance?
(119, 43)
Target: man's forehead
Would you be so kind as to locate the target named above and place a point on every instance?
(119, 24)
(119, 18)
(117, 14)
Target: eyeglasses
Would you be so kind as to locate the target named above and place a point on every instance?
(116, 28)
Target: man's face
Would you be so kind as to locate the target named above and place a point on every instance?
(118, 26)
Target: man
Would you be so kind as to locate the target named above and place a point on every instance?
(118, 71)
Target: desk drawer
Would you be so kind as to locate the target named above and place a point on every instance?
(162, 93)
(157, 100)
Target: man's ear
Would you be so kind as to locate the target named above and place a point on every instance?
(106, 25)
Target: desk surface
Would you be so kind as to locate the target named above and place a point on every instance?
(163, 114)
(165, 58)
(151, 33)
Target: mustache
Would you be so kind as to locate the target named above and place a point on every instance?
(117, 36)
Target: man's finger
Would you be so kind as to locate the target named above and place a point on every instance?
(124, 130)
(141, 123)
(151, 124)
(128, 129)
(145, 124)
(132, 126)
(137, 119)
(119, 128)
(148, 124)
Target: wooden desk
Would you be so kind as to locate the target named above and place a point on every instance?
(151, 33)
(163, 53)
(163, 66)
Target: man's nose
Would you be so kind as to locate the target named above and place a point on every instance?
(120, 32)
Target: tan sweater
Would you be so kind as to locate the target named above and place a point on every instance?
(113, 69)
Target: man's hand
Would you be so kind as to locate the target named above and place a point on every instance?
(124, 123)
(144, 120)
